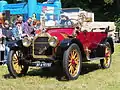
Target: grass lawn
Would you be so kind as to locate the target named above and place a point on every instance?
(92, 78)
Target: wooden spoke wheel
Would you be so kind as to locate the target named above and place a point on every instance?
(15, 65)
(72, 62)
(106, 62)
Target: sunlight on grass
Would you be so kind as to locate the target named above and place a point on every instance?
(92, 78)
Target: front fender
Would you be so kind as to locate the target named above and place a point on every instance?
(110, 40)
(15, 44)
(65, 43)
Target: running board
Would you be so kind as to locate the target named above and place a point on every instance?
(91, 59)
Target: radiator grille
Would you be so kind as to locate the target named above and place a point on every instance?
(42, 47)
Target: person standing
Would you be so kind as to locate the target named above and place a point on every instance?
(18, 28)
(28, 28)
(8, 37)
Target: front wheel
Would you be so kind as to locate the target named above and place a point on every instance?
(72, 62)
(106, 62)
(16, 64)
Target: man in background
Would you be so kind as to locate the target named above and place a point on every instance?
(8, 37)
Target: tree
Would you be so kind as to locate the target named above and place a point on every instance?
(76, 3)
(108, 1)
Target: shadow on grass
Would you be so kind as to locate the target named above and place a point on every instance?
(46, 73)
(89, 67)
(8, 76)
(58, 73)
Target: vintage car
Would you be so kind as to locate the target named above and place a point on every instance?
(67, 45)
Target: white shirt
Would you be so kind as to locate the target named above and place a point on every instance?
(20, 29)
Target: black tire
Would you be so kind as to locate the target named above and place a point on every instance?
(11, 66)
(106, 62)
(1, 63)
(70, 66)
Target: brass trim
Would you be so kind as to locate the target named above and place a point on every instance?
(41, 56)
(54, 37)
(41, 42)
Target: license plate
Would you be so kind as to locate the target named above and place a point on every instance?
(44, 64)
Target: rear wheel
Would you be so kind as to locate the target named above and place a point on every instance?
(16, 64)
(72, 62)
(106, 62)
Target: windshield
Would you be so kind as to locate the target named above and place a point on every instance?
(63, 22)
(68, 18)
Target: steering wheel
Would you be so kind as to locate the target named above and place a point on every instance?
(77, 26)
(82, 17)
(76, 23)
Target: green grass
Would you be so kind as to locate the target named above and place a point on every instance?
(92, 78)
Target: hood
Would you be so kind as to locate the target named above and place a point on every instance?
(61, 33)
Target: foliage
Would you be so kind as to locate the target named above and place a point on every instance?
(108, 1)
(117, 24)
(76, 3)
